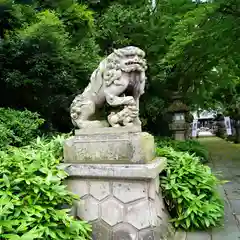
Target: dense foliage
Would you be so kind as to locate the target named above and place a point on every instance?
(47, 54)
(32, 195)
(190, 146)
(18, 128)
(190, 192)
(190, 45)
(48, 50)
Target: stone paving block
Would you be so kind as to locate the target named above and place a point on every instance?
(238, 219)
(232, 190)
(124, 231)
(221, 191)
(79, 188)
(127, 192)
(100, 231)
(99, 189)
(228, 173)
(138, 214)
(88, 209)
(230, 230)
(235, 204)
(164, 233)
(112, 211)
(146, 235)
(180, 235)
(198, 236)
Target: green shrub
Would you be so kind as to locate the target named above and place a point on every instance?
(5, 136)
(189, 190)
(190, 146)
(32, 195)
(18, 128)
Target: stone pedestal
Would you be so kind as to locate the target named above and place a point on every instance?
(109, 145)
(121, 201)
(114, 173)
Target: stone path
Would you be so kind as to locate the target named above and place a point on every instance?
(225, 157)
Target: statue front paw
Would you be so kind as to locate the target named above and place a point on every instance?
(130, 101)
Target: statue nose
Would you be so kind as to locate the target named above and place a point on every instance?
(135, 59)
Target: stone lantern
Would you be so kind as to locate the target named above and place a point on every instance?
(189, 119)
(178, 110)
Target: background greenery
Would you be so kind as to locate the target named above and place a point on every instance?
(18, 128)
(190, 146)
(48, 50)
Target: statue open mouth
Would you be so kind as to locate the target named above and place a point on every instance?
(132, 66)
(132, 63)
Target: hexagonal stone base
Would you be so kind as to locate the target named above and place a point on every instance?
(122, 202)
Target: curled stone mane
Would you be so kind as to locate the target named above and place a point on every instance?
(110, 68)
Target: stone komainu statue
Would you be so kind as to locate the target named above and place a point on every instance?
(119, 80)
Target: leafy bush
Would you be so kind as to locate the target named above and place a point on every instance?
(32, 195)
(189, 190)
(5, 136)
(190, 146)
(18, 128)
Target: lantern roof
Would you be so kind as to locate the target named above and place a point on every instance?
(178, 106)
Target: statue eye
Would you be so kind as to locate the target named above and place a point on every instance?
(131, 56)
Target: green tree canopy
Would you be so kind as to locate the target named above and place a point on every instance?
(47, 54)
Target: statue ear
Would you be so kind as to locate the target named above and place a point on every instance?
(118, 52)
